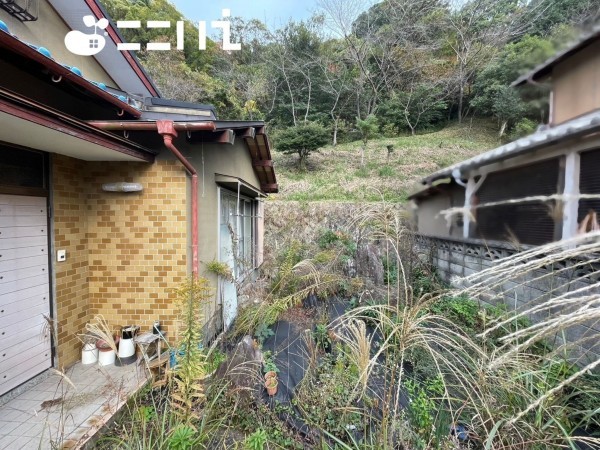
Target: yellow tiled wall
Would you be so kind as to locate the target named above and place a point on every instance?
(131, 248)
(137, 242)
(70, 233)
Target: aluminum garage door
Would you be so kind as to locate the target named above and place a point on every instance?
(25, 342)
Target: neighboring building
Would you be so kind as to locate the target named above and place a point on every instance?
(75, 132)
(562, 157)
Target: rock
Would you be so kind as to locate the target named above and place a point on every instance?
(310, 301)
(368, 262)
(242, 369)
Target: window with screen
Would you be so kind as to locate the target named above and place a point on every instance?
(533, 222)
(238, 233)
(589, 182)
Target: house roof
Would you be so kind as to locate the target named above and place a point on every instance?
(542, 138)
(225, 132)
(546, 67)
(63, 73)
(122, 66)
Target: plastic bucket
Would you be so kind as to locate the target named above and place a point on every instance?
(106, 358)
(89, 354)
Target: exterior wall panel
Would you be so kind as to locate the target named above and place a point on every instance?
(576, 84)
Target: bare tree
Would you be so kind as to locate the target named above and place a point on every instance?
(338, 84)
(383, 41)
(477, 30)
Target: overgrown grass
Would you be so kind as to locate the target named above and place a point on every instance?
(411, 365)
(335, 173)
(486, 374)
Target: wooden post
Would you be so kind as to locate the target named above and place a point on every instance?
(571, 193)
(472, 187)
(467, 214)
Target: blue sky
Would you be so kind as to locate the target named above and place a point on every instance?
(273, 12)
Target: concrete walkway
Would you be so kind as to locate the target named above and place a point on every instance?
(66, 411)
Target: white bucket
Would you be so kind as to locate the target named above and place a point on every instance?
(126, 348)
(106, 358)
(89, 354)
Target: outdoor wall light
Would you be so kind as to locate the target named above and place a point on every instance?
(122, 187)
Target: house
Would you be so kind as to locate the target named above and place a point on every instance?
(500, 198)
(110, 195)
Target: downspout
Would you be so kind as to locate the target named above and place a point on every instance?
(166, 128)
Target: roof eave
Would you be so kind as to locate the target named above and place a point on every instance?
(255, 138)
(566, 131)
(62, 73)
(73, 127)
(545, 69)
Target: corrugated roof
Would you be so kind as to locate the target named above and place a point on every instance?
(542, 138)
(546, 67)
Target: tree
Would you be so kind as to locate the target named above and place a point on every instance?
(421, 106)
(292, 59)
(301, 139)
(477, 30)
(337, 85)
(367, 128)
(558, 12)
(492, 94)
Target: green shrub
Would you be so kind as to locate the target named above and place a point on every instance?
(523, 128)
(321, 336)
(214, 360)
(269, 363)
(330, 239)
(424, 281)
(263, 332)
(220, 269)
(182, 438)
(460, 310)
(302, 140)
(423, 410)
(257, 440)
(387, 171)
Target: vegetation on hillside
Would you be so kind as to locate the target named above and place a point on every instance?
(336, 173)
(414, 64)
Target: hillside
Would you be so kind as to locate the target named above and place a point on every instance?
(335, 173)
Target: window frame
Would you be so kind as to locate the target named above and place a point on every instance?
(244, 264)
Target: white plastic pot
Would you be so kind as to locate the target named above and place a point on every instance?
(106, 358)
(89, 354)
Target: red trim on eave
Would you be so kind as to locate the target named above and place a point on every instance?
(56, 125)
(56, 69)
(117, 40)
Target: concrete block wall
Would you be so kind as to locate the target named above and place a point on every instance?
(456, 259)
